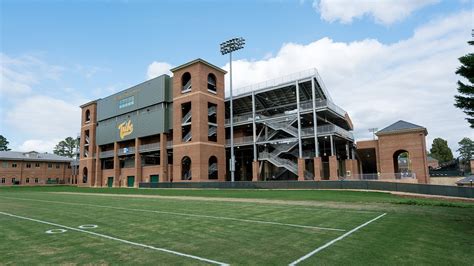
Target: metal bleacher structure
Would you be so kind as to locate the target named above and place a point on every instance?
(284, 120)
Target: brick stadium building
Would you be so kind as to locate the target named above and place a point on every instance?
(176, 129)
(33, 168)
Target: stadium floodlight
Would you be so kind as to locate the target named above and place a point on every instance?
(228, 47)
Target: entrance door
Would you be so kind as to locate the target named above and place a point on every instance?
(110, 181)
(154, 178)
(130, 181)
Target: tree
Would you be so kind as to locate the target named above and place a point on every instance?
(66, 147)
(4, 144)
(466, 149)
(465, 99)
(440, 150)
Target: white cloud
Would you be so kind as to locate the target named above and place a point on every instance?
(156, 69)
(383, 11)
(379, 84)
(38, 145)
(45, 118)
(18, 75)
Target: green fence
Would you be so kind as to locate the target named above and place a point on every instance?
(466, 192)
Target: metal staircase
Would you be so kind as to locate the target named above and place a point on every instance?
(188, 137)
(212, 131)
(187, 118)
(187, 86)
(211, 110)
(279, 162)
(283, 125)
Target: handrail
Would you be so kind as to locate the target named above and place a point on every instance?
(150, 146)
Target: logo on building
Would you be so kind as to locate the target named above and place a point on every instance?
(125, 129)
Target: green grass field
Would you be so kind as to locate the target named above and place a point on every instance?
(305, 226)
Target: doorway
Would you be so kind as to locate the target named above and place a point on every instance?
(154, 178)
(110, 181)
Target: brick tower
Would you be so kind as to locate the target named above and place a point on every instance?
(198, 122)
(87, 145)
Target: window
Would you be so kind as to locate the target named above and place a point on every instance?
(5, 164)
(126, 102)
(58, 166)
(88, 116)
(36, 180)
(186, 82)
(50, 165)
(13, 180)
(186, 113)
(37, 165)
(3, 180)
(186, 168)
(212, 170)
(84, 175)
(68, 166)
(27, 180)
(28, 165)
(212, 122)
(13, 165)
(211, 83)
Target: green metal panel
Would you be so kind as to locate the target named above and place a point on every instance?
(145, 94)
(146, 122)
(150, 114)
(130, 181)
(110, 181)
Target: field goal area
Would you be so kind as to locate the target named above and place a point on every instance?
(78, 228)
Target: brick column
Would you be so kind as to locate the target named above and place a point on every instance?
(255, 167)
(301, 169)
(116, 166)
(333, 168)
(349, 167)
(138, 163)
(355, 168)
(98, 169)
(317, 168)
(163, 158)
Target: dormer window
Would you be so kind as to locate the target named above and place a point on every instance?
(186, 82)
(211, 83)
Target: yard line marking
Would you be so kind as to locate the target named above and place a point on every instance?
(116, 239)
(186, 214)
(334, 240)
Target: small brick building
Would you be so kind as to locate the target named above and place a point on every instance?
(398, 153)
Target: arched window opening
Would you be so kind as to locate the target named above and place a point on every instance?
(186, 82)
(88, 116)
(84, 175)
(402, 164)
(186, 168)
(213, 167)
(211, 83)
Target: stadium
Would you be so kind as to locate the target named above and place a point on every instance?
(177, 129)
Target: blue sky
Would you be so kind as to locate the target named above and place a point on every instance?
(57, 55)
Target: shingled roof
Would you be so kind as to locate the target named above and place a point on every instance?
(32, 156)
(401, 126)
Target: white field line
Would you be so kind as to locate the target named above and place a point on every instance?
(185, 214)
(334, 240)
(116, 239)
